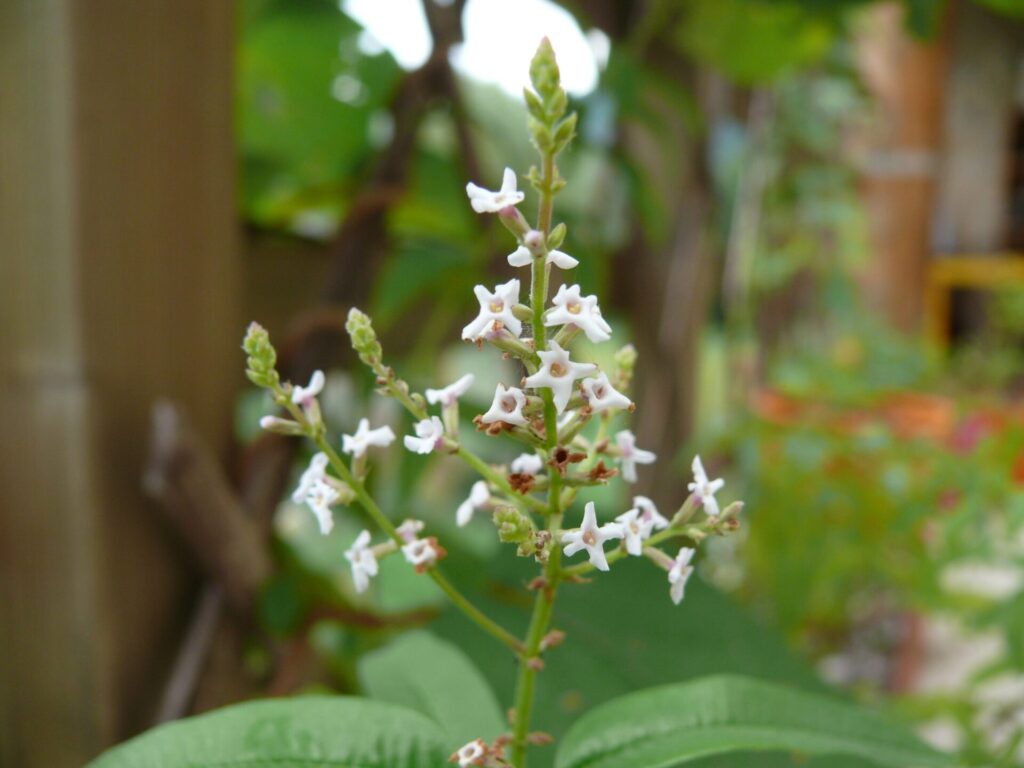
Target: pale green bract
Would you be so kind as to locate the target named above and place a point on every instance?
(308, 732)
(675, 724)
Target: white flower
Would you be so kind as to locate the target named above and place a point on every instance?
(581, 311)
(495, 308)
(320, 497)
(679, 574)
(304, 395)
(631, 455)
(527, 464)
(485, 201)
(601, 395)
(364, 437)
(409, 530)
(428, 434)
(448, 395)
(421, 552)
(507, 406)
(704, 488)
(635, 530)
(523, 257)
(315, 472)
(558, 372)
(364, 562)
(591, 538)
(649, 512)
(472, 754)
(478, 498)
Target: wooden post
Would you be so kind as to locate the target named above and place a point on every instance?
(907, 78)
(118, 283)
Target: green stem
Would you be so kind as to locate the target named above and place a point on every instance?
(544, 603)
(473, 613)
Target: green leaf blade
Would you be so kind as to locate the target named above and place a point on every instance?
(434, 677)
(320, 731)
(676, 724)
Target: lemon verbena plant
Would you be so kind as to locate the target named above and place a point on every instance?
(561, 412)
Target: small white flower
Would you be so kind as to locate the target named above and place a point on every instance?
(421, 552)
(410, 529)
(320, 498)
(304, 395)
(364, 437)
(558, 373)
(705, 489)
(364, 562)
(448, 395)
(527, 464)
(635, 530)
(507, 406)
(472, 754)
(649, 512)
(315, 472)
(495, 308)
(485, 201)
(631, 455)
(582, 311)
(591, 537)
(601, 395)
(428, 434)
(679, 574)
(479, 495)
(523, 257)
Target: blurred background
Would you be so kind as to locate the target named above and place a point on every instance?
(808, 217)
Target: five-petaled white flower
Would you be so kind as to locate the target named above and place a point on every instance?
(631, 455)
(507, 406)
(428, 434)
(591, 537)
(304, 396)
(472, 754)
(679, 574)
(485, 201)
(421, 552)
(649, 512)
(320, 497)
(705, 489)
(410, 529)
(601, 395)
(581, 311)
(559, 372)
(315, 472)
(635, 530)
(495, 308)
(479, 495)
(364, 437)
(448, 395)
(523, 257)
(364, 562)
(527, 464)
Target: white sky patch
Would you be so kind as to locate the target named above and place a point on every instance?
(397, 25)
(500, 39)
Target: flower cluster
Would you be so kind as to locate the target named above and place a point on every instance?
(562, 410)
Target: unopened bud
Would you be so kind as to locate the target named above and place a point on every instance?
(514, 221)
(280, 426)
(733, 510)
(534, 240)
(262, 358)
(364, 339)
(513, 526)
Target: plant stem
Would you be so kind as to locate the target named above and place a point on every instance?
(529, 660)
(473, 613)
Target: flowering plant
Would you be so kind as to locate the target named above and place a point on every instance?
(561, 413)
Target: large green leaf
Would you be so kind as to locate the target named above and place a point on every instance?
(309, 732)
(675, 724)
(436, 678)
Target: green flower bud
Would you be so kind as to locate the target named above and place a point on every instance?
(513, 526)
(557, 237)
(262, 358)
(364, 338)
(625, 364)
(545, 77)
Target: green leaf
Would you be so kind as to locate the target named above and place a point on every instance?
(434, 677)
(308, 732)
(675, 724)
